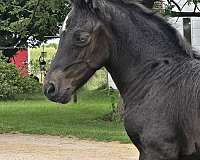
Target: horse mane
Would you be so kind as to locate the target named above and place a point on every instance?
(186, 47)
(107, 7)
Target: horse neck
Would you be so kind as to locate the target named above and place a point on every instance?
(138, 40)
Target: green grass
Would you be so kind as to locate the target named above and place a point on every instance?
(82, 120)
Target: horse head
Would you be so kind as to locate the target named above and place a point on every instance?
(83, 49)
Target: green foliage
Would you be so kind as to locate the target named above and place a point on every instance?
(28, 85)
(30, 20)
(114, 114)
(9, 77)
(12, 84)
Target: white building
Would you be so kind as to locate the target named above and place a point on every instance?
(111, 83)
(188, 26)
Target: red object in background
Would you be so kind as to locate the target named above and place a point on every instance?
(20, 59)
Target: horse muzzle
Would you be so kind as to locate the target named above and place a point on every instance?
(53, 93)
(57, 89)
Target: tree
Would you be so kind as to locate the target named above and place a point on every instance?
(30, 21)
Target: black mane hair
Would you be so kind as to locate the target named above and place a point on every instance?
(154, 16)
(105, 9)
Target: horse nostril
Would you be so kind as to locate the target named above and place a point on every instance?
(51, 90)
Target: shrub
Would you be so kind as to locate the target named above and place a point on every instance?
(29, 85)
(9, 76)
(12, 84)
(116, 105)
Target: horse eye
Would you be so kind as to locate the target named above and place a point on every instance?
(81, 38)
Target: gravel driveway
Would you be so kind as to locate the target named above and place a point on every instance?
(34, 147)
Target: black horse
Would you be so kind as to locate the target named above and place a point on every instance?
(155, 70)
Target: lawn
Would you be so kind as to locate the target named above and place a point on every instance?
(82, 120)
